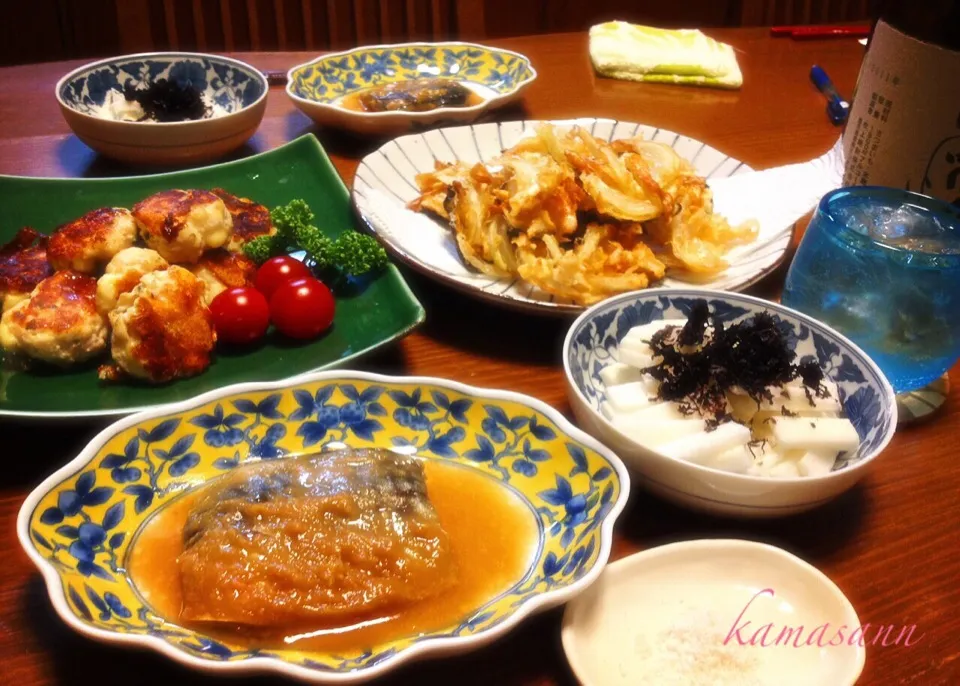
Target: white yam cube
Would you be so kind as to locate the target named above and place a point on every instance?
(639, 356)
(619, 374)
(785, 470)
(644, 332)
(702, 447)
(814, 463)
(738, 460)
(792, 397)
(657, 411)
(632, 396)
(820, 434)
(655, 433)
(634, 348)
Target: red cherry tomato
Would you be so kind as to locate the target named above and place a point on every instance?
(277, 271)
(240, 315)
(302, 309)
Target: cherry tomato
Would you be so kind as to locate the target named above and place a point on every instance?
(277, 271)
(240, 315)
(302, 309)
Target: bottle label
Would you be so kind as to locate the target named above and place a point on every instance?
(904, 125)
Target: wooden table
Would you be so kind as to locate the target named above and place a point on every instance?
(891, 544)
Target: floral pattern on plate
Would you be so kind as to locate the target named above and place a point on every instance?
(595, 342)
(329, 78)
(78, 525)
(227, 83)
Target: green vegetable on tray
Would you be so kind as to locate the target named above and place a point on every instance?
(351, 254)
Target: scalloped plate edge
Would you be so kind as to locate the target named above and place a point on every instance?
(436, 647)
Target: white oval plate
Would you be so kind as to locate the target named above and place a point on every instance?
(703, 603)
(384, 184)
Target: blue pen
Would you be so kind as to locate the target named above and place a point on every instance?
(837, 108)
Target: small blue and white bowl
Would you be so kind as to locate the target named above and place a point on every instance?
(238, 91)
(318, 87)
(866, 396)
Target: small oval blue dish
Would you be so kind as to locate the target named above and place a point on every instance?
(321, 89)
(234, 93)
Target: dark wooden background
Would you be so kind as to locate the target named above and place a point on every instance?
(45, 30)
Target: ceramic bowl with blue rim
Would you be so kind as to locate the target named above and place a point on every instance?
(79, 524)
(318, 88)
(235, 92)
(867, 399)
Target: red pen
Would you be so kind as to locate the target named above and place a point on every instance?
(805, 32)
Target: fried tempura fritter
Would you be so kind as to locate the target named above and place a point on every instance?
(581, 218)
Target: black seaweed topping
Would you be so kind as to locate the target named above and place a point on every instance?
(751, 355)
(167, 101)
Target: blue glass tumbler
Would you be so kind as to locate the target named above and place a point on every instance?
(882, 266)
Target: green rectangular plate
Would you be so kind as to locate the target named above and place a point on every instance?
(384, 311)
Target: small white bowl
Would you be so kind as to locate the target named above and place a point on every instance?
(234, 86)
(702, 605)
(318, 86)
(865, 393)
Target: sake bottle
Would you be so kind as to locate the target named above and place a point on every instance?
(904, 124)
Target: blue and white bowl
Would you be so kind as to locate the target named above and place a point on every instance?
(233, 86)
(866, 395)
(317, 88)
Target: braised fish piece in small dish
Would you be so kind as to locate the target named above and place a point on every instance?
(414, 95)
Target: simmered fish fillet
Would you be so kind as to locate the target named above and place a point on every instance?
(320, 538)
(417, 95)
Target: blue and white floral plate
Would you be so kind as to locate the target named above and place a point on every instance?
(867, 399)
(77, 526)
(317, 88)
(237, 90)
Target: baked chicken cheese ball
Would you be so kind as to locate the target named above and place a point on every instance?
(58, 323)
(123, 274)
(162, 329)
(182, 224)
(250, 220)
(89, 242)
(220, 270)
(23, 265)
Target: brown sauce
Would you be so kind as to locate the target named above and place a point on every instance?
(415, 95)
(492, 533)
